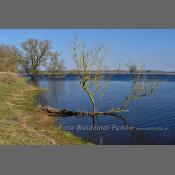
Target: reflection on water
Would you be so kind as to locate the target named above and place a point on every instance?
(105, 133)
(150, 120)
(54, 94)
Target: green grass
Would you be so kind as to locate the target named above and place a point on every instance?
(20, 122)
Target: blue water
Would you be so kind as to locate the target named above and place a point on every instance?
(152, 117)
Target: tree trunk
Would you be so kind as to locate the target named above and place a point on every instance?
(65, 112)
(33, 76)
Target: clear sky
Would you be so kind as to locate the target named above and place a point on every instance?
(153, 48)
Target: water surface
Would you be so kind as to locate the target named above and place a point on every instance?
(153, 117)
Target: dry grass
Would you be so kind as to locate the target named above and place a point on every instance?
(20, 122)
(46, 120)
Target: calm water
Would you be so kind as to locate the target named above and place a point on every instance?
(152, 117)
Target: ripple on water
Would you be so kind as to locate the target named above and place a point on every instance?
(155, 111)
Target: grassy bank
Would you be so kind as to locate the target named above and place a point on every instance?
(20, 122)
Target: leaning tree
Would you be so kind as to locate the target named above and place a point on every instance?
(90, 69)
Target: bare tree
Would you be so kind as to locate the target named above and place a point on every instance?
(35, 53)
(90, 71)
(132, 68)
(56, 65)
(90, 68)
(9, 56)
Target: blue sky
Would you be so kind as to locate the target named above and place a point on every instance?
(153, 48)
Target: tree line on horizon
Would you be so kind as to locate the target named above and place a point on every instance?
(34, 56)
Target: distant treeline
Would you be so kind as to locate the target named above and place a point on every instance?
(35, 57)
(112, 72)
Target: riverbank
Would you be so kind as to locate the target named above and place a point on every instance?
(20, 122)
(68, 73)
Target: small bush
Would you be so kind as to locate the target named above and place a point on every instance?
(8, 58)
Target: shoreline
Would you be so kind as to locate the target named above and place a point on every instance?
(21, 123)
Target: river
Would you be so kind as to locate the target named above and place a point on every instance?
(151, 119)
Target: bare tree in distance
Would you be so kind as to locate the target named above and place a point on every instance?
(35, 53)
(132, 68)
(56, 65)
